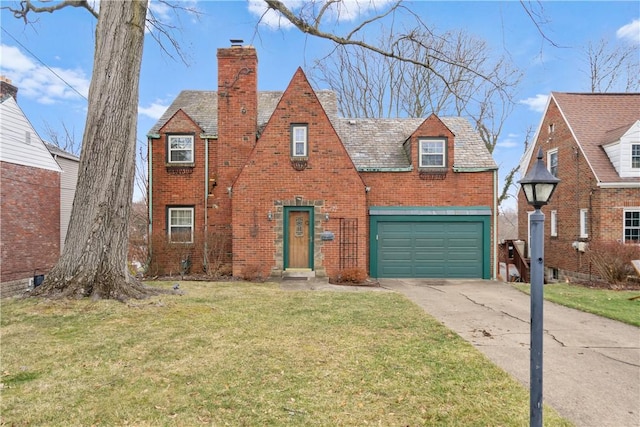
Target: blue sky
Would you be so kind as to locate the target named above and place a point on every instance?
(50, 61)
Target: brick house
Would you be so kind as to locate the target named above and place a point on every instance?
(29, 199)
(276, 182)
(592, 143)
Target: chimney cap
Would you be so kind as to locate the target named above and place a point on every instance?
(236, 42)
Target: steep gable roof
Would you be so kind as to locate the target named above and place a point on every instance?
(202, 107)
(378, 143)
(596, 118)
(19, 142)
(371, 143)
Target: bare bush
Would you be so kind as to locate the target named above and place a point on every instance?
(351, 276)
(612, 260)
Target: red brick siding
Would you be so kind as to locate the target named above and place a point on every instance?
(173, 186)
(30, 221)
(577, 190)
(269, 181)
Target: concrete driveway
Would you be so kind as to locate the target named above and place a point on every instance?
(591, 365)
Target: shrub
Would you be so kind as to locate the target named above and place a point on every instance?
(352, 275)
(612, 259)
(251, 273)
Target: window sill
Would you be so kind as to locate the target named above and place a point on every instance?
(432, 173)
(179, 168)
(299, 163)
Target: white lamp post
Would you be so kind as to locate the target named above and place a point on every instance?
(538, 186)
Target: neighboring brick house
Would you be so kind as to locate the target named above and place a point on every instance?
(592, 143)
(279, 184)
(29, 199)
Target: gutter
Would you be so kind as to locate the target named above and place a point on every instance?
(378, 169)
(480, 169)
(619, 184)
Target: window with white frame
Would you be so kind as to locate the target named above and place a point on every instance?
(584, 221)
(554, 223)
(632, 226)
(635, 156)
(552, 161)
(433, 153)
(180, 224)
(299, 141)
(179, 149)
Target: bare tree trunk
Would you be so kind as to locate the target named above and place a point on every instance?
(94, 260)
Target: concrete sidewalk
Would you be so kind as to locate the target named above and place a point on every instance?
(591, 365)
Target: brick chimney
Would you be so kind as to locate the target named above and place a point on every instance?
(6, 88)
(237, 107)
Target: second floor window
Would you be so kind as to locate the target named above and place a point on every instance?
(433, 153)
(552, 162)
(180, 149)
(299, 143)
(635, 156)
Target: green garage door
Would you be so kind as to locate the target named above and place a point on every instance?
(435, 249)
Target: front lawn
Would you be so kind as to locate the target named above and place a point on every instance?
(247, 354)
(612, 304)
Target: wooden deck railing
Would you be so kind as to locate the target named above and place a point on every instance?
(513, 256)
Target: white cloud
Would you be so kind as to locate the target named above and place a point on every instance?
(508, 142)
(630, 32)
(537, 103)
(35, 81)
(154, 111)
(347, 10)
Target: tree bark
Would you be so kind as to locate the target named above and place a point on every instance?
(94, 260)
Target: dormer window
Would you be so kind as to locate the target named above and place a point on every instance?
(180, 149)
(299, 140)
(635, 156)
(433, 152)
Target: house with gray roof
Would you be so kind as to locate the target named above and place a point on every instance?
(271, 184)
(591, 141)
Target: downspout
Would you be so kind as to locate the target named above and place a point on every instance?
(205, 255)
(149, 200)
(495, 225)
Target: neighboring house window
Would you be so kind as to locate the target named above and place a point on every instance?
(552, 161)
(584, 218)
(299, 141)
(433, 153)
(180, 149)
(635, 156)
(180, 226)
(554, 223)
(632, 226)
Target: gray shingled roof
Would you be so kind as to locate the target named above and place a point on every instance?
(371, 143)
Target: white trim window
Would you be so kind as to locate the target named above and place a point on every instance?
(584, 223)
(299, 141)
(552, 161)
(632, 226)
(635, 156)
(179, 149)
(180, 225)
(433, 153)
(554, 223)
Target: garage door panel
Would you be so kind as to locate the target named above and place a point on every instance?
(436, 249)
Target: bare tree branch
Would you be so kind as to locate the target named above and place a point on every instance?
(27, 6)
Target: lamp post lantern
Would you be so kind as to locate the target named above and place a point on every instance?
(538, 185)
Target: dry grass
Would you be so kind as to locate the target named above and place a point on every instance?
(245, 354)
